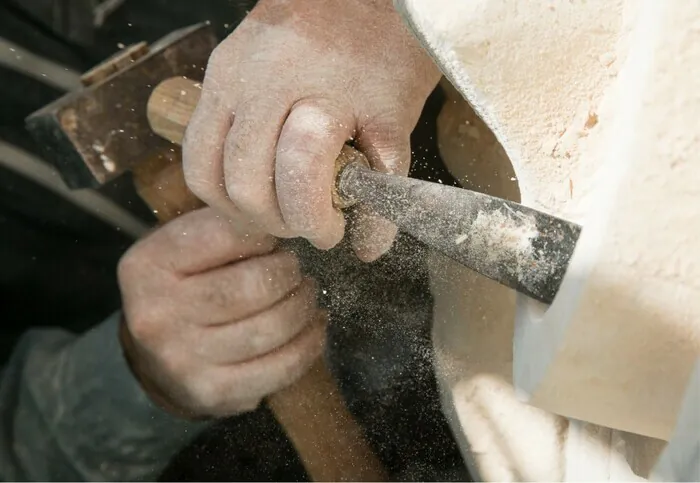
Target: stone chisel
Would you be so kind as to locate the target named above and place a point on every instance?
(519, 247)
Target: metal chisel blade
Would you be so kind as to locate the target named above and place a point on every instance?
(522, 248)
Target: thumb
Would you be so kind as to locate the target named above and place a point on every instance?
(388, 150)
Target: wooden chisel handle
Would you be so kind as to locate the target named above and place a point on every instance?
(328, 441)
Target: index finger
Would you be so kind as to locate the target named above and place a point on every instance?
(203, 240)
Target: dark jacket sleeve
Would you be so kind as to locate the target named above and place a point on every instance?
(71, 410)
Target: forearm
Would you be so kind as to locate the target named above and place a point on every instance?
(71, 410)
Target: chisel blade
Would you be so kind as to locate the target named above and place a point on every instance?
(519, 247)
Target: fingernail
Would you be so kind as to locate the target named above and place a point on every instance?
(372, 236)
(329, 237)
(370, 246)
(373, 252)
(325, 244)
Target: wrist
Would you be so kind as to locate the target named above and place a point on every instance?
(138, 369)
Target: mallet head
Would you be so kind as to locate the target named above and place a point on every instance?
(100, 131)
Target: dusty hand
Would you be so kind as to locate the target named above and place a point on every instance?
(216, 320)
(283, 93)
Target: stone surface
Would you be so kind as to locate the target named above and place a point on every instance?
(591, 103)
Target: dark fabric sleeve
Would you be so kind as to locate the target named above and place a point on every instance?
(71, 410)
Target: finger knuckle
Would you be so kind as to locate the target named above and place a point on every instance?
(248, 406)
(220, 295)
(248, 198)
(208, 393)
(198, 182)
(175, 360)
(238, 142)
(235, 290)
(143, 323)
(219, 63)
(131, 265)
(304, 145)
(255, 284)
(257, 339)
(217, 56)
(309, 126)
(278, 274)
(251, 242)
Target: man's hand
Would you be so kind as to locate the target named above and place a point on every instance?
(283, 93)
(216, 320)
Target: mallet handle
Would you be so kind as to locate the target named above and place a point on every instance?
(329, 442)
